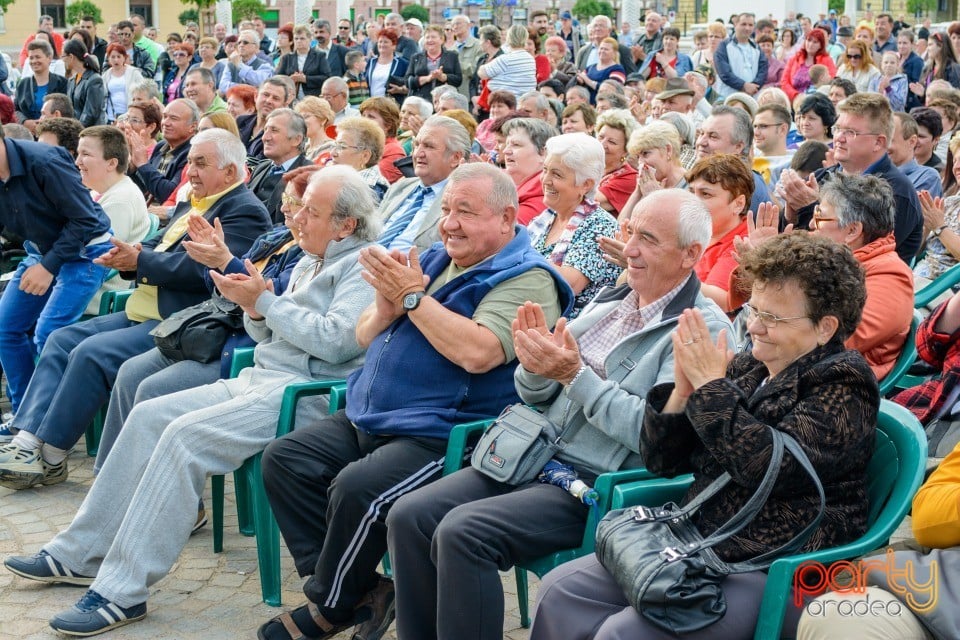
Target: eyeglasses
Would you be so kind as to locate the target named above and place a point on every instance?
(329, 96)
(344, 28)
(246, 42)
(768, 320)
(180, 54)
(761, 127)
(339, 147)
(135, 120)
(851, 133)
(290, 201)
(854, 56)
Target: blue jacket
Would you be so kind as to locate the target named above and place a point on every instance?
(721, 62)
(43, 201)
(398, 71)
(406, 387)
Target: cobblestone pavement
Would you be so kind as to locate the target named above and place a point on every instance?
(207, 595)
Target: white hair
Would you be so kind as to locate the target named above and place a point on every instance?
(230, 149)
(354, 200)
(582, 153)
(423, 106)
(694, 224)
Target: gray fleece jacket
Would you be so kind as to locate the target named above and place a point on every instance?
(310, 330)
(606, 416)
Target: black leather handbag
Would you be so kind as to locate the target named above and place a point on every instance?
(200, 332)
(669, 571)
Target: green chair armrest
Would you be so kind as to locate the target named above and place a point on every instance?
(338, 397)
(943, 283)
(241, 359)
(457, 443)
(114, 301)
(292, 395)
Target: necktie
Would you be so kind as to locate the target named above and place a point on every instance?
(277, 170)
(401, 220)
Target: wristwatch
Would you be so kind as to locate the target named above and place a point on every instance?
(936, 233)
(412, 300)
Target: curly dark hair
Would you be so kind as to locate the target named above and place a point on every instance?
(830, 277)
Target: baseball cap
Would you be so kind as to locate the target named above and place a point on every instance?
(566, 15)
(415, 22)
(833, 12)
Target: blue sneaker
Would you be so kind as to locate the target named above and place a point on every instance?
(95, 614)
(44, 568)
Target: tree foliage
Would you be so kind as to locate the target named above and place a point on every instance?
(4, 4)
(416, 11)
(190, 15)
(921, 7)
(586, 9)
(247, 9)
(77, 10)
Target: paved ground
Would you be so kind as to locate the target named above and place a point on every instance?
(207, 595)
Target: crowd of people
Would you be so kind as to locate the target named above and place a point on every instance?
(369, 200)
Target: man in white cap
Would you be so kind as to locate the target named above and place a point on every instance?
(413, 29)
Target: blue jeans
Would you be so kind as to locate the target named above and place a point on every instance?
(74, 374)
(62, 304)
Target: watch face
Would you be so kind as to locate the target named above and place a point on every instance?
(410, 301)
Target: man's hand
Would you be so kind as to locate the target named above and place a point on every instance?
(36, 280)
(241, 288)
(207, 245)
(123, 256)
(393, 274)
(797, 192)
(552, 355)
(750, 88)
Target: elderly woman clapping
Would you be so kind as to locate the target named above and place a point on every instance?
(565, 233)
(807, 296)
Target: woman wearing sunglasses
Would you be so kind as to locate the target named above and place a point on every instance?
(857, 66)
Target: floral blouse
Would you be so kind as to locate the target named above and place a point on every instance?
(938, 259)
(578, 247)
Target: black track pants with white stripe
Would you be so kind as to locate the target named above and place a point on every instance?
(331, 487)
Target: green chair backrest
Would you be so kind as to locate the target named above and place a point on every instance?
(906, 358)
(947, 280)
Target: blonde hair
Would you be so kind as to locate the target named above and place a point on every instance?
(616, 47)
(318, 107)
(658, 134)
(223, 120)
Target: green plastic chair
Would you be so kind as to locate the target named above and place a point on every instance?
(457, 457)
(894, 474)
(905, 360)
(945, 282)
(110, 302)
(253, 508)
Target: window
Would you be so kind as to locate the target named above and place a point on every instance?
(144, 9)
(55, 9)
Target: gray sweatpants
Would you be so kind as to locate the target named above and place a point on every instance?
(138, 514)
(148, 375)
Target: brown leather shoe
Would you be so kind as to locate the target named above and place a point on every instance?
(380, 602)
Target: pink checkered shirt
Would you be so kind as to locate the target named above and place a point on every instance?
(600, 339)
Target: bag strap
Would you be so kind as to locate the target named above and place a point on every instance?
(753, 506)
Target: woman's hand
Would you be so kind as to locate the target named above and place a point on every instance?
(647, 181)
(917, 89)
(696, 355)
(759, 230)
(933, 212)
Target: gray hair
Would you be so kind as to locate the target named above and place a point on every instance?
(620, 119)
(457, 139)
(354, 200)
(146, 86)
(582, 153)
(423, 106)
(694, 224)
(615, 100)
(742, 131)
(336, 83)
(230, 149)
(438, 91)
(206, 76)
(601, 19)
(541, 104)
(296, 125)
(502, 194)
(866, 199)
(536, 129)
(517, 37)
(458, 99)
(583, 91)
(195, 113)
(682, 124)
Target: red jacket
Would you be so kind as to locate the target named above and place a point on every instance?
(786, 80)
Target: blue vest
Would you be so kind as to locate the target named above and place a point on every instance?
(406, 387)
